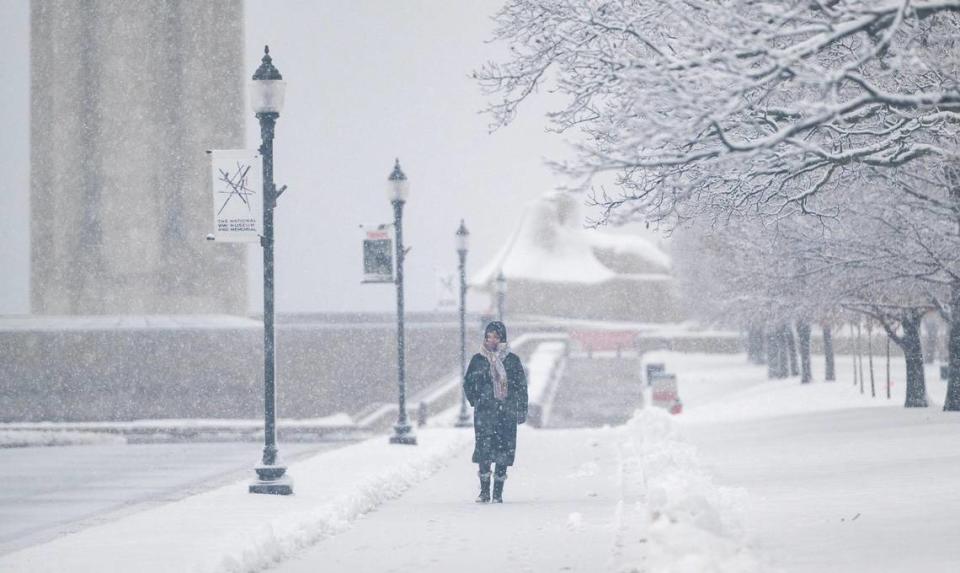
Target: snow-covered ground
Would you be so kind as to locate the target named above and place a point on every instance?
(54, 490)
(228, 529)
(836, 480)
(755, 475)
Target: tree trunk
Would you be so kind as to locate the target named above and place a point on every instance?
(853, 353)
(755, 344)
(830, 375)
(860, 355)
(913, 352)
(888, 368)
(783, 363)
(773, 353)
(792, 349)
(932, 342)
(952, 401)
(803, 333)
(873, 387)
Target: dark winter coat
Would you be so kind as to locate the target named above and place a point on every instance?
(495, 421)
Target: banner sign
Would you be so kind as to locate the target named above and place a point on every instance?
(377, 254)
(604, 340)
(448, 290)
(237, 176)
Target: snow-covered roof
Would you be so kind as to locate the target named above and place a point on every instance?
(629, 245)
(550, 245)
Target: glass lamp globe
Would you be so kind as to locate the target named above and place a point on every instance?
(267, 88)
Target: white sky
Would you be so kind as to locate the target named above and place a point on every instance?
(367, 81)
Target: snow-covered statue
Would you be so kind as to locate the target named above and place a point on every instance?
(556, 267)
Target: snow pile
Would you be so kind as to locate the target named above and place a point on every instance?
(228, 529)
(338, 420)
(30, 438)
(672, 517)
(24, 434)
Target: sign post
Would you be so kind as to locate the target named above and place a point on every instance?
(448, 286)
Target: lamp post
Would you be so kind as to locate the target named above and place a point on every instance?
(501, 294)
(397, 190)
(266, 98)
(463, 242)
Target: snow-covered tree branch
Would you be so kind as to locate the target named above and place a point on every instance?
(707, 106)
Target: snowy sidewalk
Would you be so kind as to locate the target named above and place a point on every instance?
(561, 501)
(630, 498)
(837, 481)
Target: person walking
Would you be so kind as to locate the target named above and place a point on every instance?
(495, 385)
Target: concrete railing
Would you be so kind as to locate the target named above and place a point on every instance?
(444, 395)
(544, 372)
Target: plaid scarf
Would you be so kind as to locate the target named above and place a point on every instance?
(497, 372)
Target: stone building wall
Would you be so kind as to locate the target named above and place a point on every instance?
(126, 97)
(619, 299)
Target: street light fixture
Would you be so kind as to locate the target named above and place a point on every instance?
(397, 190)
(266, 98)
(501, 294)
(463, 243)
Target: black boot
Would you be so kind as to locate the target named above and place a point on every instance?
(498, 488)
(484, 496)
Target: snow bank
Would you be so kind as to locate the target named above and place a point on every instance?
(54, 323)
(672, 517)
(22, 434)
(30, 438)
(338, 420)
(230, 530)
(747, 393)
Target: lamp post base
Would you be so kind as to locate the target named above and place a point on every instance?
(403, 434)
(272, 481)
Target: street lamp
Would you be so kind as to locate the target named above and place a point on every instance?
(463, 243)
(266, 98)
(397, 190)
(501, 294)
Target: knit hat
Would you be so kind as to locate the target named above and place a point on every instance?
(499, 328)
